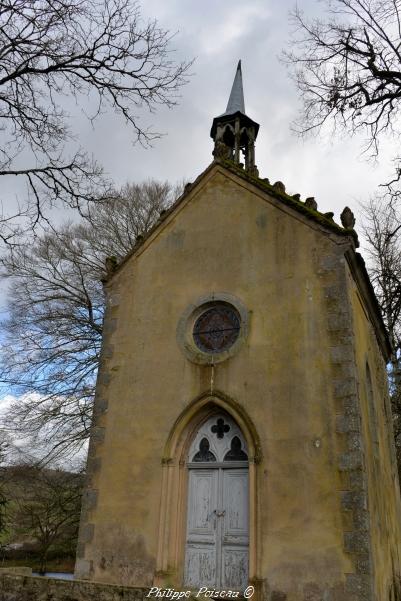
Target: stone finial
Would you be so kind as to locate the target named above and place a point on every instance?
(311, 203)
(329, 215)
(222, 151)
(279, 186)
(296, 197)
(347, 219)
(254, 171)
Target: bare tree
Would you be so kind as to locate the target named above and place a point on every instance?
(53, 49)
(347, 67)
(116, 224)
(50, 352)
(382, 230)
(46, 510)
(4, 443)
(7, 453)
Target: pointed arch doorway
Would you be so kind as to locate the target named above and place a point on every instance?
(217, 530)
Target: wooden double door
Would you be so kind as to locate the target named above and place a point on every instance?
(217, 541)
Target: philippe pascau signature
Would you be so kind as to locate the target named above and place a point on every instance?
(203, 591)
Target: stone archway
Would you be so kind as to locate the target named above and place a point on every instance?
(175, 480)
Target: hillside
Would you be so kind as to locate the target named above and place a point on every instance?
(39, 517)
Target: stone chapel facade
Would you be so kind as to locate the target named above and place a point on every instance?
(242, 427)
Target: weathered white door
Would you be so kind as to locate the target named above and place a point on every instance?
(216, 553)
(235, 539)
(201, 565)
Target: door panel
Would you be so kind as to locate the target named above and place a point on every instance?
(200, 565)
(235, 568)
(217, 528)
(235, 535)
(200, 557)
(235, 503)
(202, 503)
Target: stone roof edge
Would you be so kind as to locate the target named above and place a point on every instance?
(290, 201)
(362, 280)
(355, 259)
(262, 185)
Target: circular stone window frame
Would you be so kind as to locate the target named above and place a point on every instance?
(186, 323)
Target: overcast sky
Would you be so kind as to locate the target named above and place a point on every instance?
(216, 35)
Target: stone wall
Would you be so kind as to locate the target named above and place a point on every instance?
(30, 588)
(149, 394)
(17, 570)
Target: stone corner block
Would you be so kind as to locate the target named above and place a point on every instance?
(359, 585)
(87, 532)
(350, 461)
(83, 568)
(98, 434)
(356, 542)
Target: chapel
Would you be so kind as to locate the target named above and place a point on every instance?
(242, 429)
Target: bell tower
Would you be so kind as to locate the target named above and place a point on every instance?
(234, 132)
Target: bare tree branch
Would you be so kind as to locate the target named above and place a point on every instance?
(347, 67)
(54, 49)
(50, 352)
(47, 509)
(382, 230)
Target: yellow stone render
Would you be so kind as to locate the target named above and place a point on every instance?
(227, 236)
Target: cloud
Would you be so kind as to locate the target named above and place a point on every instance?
(217, 34)
(234, 25)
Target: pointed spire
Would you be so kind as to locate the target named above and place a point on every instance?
(233, 132)
(236, 100)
